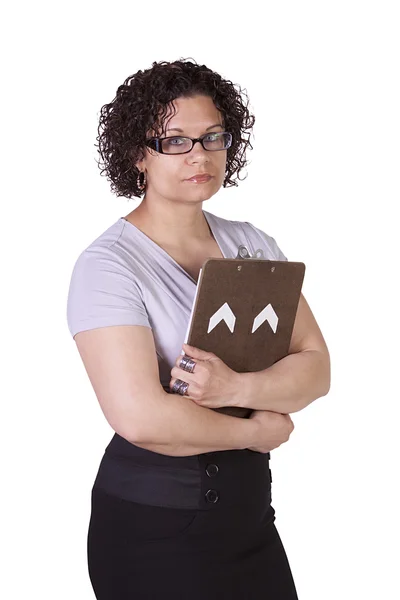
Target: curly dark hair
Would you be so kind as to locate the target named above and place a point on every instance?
(141, 105)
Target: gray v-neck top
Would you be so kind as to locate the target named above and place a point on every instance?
(125, 278)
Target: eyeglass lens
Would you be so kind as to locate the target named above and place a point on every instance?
(178, 144)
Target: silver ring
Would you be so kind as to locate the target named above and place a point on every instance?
(187, 364)
(180, 387)
(183, 362)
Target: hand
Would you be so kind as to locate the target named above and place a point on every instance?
(274, 430)
(212, 384)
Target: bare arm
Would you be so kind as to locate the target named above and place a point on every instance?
(122, 366)
(298, 379)
(179, 427)
(289, 385)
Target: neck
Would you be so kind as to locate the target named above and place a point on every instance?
(171, 224)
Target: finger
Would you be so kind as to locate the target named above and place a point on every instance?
(182, 374)
(197, 352)
(173, 380)
(190, 389)
(179, 359)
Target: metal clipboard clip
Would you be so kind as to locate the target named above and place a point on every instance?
(244, 253)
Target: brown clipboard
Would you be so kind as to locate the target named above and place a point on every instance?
(244, 312)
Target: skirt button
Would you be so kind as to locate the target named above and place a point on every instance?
(212, 496)
(212, 470)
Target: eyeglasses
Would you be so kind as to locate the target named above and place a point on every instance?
(181, 145)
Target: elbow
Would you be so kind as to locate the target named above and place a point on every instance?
(135, 428)
(144, 422)
(325, 388)
(325, 392)
(325, 374)
(328, 376)
(128, 429)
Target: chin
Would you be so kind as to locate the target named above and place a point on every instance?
(202, 193)
(202, 197)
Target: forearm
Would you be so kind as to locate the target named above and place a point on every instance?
(288, 386)
(176, 426)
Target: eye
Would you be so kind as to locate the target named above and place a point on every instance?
(175, 141)
(212, 137)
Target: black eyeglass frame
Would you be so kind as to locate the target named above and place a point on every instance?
(155, 143)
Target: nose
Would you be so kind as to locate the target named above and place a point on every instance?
(197, 154)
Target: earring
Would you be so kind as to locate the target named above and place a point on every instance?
(141, 181)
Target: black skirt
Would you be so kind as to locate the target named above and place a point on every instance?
(185, 527)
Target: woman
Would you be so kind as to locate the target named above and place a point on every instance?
(181, 505)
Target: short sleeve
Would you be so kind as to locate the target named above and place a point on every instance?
(272, 247)
(103, 291)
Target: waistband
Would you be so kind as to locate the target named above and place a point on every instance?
(210, 481)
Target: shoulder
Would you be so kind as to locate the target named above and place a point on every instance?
(244, 232)
(108, 252)
(266, 241)
(105, 286)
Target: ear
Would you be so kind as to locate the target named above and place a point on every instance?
(140, 165)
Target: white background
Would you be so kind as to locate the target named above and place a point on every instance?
(323, 82)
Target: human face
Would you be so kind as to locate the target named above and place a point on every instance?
(168, 175)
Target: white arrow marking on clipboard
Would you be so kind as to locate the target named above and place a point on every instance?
(223, 314)
(267, 314)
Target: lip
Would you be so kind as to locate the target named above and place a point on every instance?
(200, 178)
